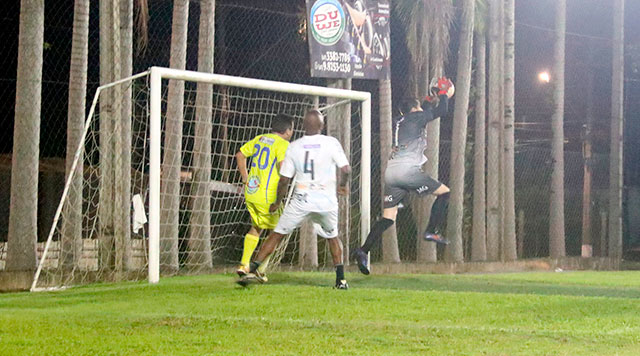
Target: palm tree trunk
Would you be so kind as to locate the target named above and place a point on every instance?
(170, 181)
(454, 251)
(587, 246)
(556, 219)
(105, 210)
(21, 249)
(428, 40)
(110, 140)
(340, 127)
(509, 247)
(428, 251)
(435, 35)
(71, 239)
(617, 124)
(390, 251)
(308, 240)
(603, 232)
(126, 48)
(421, 205)
(501, 133)
(344, 203)
(493, 137)
(199, 225)
(225, 160)
(479, 228)
(308, 246)
(118, 221)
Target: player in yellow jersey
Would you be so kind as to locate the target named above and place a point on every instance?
(261, 181)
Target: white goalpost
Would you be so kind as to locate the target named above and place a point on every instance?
(153, 187)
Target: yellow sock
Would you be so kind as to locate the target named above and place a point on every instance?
(264, 264)
(250, 244)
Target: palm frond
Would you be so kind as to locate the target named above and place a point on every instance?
(141, 25)
(440, 16)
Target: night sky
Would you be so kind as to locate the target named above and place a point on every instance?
(265, 44)
(589, 29)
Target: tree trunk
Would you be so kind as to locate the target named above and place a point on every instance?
(421, 205)
(509, 246)
(308, 240)
(125, 151)
(493, 137)
(110, 196)
(454, 251)
(587, 245)
(21, 249)
(308, 257)
(339, 126)
(617, 124)
(199, 225)
(118, 221)
(603, 232)
(556, 219)
(520, 234)
(105, 210)
(226, 159)
(390, 251)
(172, 163)
(71, 238)
(432, 166)
(479, 228)
(435, 36)
(345, 201)
(501, 52)
(415, 62)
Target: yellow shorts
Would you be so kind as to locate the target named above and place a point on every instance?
(261, 217)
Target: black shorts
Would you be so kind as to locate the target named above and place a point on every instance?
(400, 180)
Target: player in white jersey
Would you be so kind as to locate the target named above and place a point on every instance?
(312, 159)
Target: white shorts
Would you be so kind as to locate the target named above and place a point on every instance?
(325, 222)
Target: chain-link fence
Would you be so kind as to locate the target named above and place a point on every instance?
(267, 40)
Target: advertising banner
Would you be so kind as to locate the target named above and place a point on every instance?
(349, 38)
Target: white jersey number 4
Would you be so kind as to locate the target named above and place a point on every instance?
(313, 160)
(308, 165)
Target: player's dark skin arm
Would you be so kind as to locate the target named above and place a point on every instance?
(270, 244)
(283, 188)
(242, 166)
(343, 179)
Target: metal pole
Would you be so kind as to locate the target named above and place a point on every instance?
(154, 175)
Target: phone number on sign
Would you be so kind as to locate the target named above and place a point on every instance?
(333, 67)
(336, 57)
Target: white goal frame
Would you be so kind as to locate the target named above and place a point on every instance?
(156, 75)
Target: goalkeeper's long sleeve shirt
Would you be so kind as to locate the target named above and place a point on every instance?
(409, 133)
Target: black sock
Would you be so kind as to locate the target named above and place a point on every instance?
(376, 233)
(438, 213)
(339, 273)
(254, 266)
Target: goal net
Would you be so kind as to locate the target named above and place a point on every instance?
(154, 187)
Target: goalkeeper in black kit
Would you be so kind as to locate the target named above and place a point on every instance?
(404, 170)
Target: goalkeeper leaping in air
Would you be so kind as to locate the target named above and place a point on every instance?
(267, 152)
(404, 170)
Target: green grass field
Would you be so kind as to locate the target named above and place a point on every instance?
(571, 313)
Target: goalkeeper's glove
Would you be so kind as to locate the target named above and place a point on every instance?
(442, 86)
